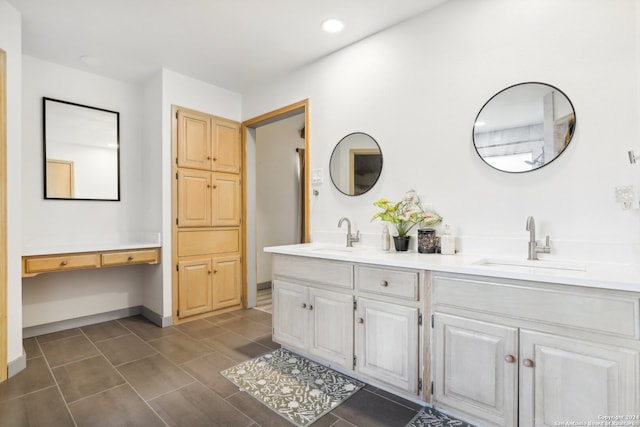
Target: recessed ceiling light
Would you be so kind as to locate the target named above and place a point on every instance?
(332, 25)
(91, 60)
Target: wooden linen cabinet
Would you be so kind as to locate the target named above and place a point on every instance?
(207, 207)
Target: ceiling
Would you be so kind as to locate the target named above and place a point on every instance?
(235, 44)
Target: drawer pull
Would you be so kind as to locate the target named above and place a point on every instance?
(63, 263)
(528, 363)
(509, 358)
(130, 258)
(303, 305)
(384, 283)
(360, 320)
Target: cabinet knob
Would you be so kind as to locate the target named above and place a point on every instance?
(528, 363)
(384, 283)
(215, 159)
(208, 186)
(509, 358)
(209, 272)
(310, 307)
(130, 258)
(208, 157)
(360, 320)
(303, 305)
(215, 271)
(63, 263)
(215, 186)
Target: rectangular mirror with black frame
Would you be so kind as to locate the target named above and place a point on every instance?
(81, 152)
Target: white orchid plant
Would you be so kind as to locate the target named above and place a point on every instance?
(406, 214)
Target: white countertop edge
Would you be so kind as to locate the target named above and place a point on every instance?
(597, 275)
(66, 249)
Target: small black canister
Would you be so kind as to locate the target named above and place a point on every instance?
(427, 242)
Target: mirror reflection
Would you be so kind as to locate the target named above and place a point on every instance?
(524, 127)
(356, 164)
(81, 152)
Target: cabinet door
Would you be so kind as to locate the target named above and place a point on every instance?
(331, 326)
(226, 195)
(194, 287)
(574, 380)
(290, 314)
(227, 282)
(194, 140)
(475, 368)
(194, 198)
(387, 343)
(226, 147)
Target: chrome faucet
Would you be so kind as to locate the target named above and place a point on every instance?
(350, 237)
(534, 248)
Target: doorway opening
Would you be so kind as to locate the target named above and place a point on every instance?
(276, 192)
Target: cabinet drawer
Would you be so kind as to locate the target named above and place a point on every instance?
(384, 281)
(608, 312)
(60, 263)
(332, 273)
(149, 256)
(191, 243)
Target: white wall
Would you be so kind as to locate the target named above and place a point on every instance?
(11, 43)
(277, 188)
(61, 296)
(417, 88)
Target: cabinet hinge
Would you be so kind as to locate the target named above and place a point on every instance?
(355, 305)
(176, 160)
(432, 388)
(178, 313)
(177, 114)
(419, 384)
(177, 221)
(177, 267)
(355, 358)
(420, 319)
(432, 321)
(176, 172)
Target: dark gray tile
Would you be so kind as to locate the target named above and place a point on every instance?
(154, 375)
(35, 377)
(398, 399)
(145, 329)
(258, 412)
(256, 315)
(195, 406)
(327, 420)
(218, 318)
(104, 330)
(179, 348)
(267, 342)
(246, 327)
(342, 423)
(369, 409)
(124, 349)
(207, 370)
(236, 347)
(200, 329)
(86, 377)
(119, 406)
(43, 408)
(31, 347)
(59, 335)
(68, 350)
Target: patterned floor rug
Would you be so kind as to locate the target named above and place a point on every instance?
(430, 417)
(294, 387)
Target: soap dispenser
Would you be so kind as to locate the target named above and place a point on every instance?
(384, 239)
(447, 242)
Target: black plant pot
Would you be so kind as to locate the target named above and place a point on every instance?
(401, 243)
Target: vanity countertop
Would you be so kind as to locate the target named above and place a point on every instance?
(589, 274)
(71, 244)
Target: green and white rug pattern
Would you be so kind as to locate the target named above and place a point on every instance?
(296, 388)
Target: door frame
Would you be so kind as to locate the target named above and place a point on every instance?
(3, 217)
(263, 119)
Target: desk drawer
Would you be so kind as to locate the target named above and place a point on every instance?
(384, 281)
(61, 263)
(149, 256)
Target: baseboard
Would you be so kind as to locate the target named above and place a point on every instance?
(17, 364)
(263, 285)
(47, 328)
(155, 318)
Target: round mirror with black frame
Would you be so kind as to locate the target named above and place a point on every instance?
(356, 164)
(524, 127)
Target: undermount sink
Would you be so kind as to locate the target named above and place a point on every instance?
(536, 264)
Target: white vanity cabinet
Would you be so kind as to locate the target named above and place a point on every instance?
(512, 353)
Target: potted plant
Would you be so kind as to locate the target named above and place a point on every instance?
(405, 215)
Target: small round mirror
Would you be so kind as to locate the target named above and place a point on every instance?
(524, 127)
(356, 164)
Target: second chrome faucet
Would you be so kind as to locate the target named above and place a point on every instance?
(350, 237)
(534, 248)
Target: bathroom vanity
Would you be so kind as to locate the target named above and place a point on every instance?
(493, 341)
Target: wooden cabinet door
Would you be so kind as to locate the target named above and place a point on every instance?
(227, 153)
(194, 198)
(194, 140)
(226, 195)
(476, 368)
(387, 343)
(194, 287)
(227, 282)
(290, 315)
(331, 326)
(574, 380)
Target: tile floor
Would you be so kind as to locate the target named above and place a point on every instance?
(129, 372)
